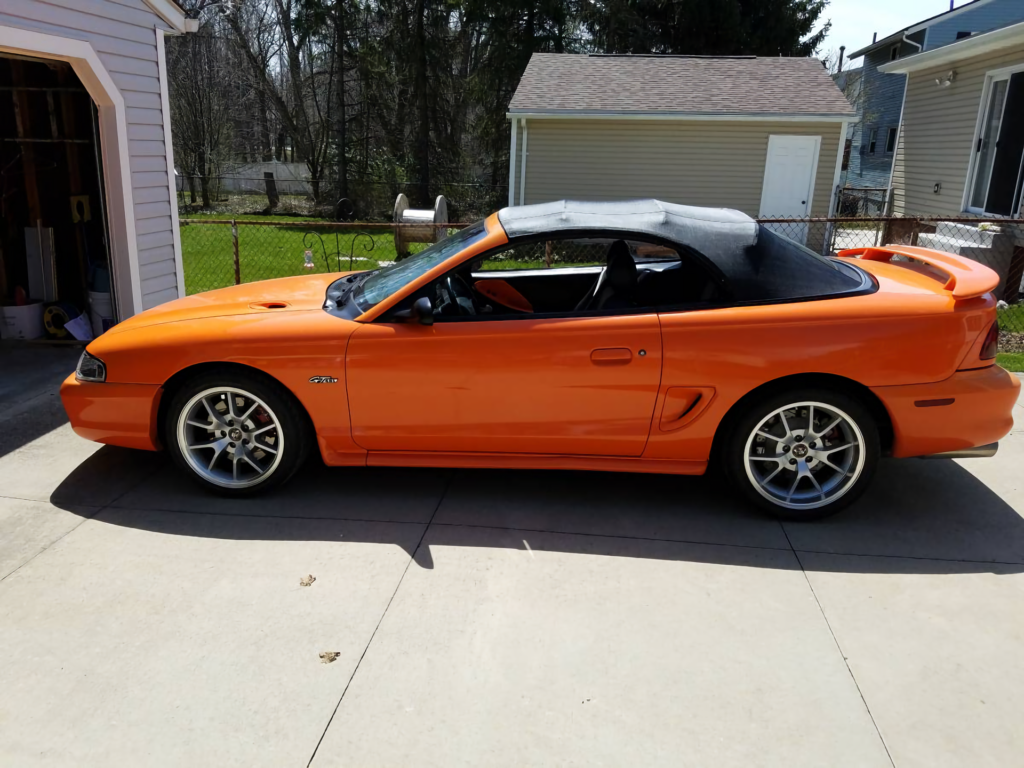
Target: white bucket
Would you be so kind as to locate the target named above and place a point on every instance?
(23, 322)
(101, 311)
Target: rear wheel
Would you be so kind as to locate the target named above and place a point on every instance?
(236, 434)
(803, 455)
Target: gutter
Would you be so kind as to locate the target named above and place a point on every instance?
(896, 37)
(877, 45)
(830, 117)
(171, 13)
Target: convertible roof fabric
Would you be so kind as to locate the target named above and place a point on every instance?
(758, 263)
(704, 229)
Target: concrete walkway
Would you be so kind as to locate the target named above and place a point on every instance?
(498, 618)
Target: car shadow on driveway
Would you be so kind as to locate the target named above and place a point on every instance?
(930, 517)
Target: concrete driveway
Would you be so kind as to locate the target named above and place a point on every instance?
(495, 618)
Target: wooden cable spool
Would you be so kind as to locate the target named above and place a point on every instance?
(422, 225)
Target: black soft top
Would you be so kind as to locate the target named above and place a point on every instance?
(757, 263)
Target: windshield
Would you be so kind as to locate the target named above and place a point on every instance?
(381, 284)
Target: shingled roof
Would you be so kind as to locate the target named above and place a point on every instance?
(555, 83)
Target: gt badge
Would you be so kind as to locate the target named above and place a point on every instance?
(322, 380)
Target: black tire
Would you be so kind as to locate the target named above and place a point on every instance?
(849, 485)
(293, 433)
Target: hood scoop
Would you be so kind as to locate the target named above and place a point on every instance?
(269, 305)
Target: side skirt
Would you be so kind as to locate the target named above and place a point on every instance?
(533, 461)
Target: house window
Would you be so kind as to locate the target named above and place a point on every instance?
(890, 140)
(894, 52)
(872, 141)
(997, 174)
(846, 154)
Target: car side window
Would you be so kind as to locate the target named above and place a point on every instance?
(546, 254)
(571, 275)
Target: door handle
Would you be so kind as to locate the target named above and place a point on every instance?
(611, 356)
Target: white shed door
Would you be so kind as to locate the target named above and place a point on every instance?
(789, 182)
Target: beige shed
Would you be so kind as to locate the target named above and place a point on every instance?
(762, 135)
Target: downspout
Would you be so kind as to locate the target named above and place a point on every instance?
(522, 173)
(908, 40)
(512, 164)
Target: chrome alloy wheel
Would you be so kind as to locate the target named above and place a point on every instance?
(230, 437)
(804, 455)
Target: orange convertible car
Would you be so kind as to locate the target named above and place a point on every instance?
(635, 337)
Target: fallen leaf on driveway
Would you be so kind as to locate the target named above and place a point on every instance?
(328, 656)
(305, 581)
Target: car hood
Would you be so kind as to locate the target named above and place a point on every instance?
(286, 294)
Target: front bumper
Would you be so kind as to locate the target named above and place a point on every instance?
(967, 410)
(115, 414)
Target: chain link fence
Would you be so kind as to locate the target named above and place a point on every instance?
(870, 201)
(222, 252)
(217, 253)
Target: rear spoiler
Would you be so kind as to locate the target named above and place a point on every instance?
(967, 278)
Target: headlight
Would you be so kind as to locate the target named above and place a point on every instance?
(90, 368)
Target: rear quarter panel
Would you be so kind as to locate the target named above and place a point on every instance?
(905, 333)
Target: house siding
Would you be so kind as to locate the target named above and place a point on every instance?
(123, 34)
(708, 163)
(937, 141)
(879, 102)
(984, 18)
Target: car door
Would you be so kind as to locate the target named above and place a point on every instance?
(568, 386)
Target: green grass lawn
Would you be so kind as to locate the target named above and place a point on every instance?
(268, 252)
(1011, 361)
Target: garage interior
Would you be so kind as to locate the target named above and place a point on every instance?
(54, 254)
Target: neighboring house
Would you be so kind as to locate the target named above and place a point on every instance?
(880, 96)
(762, 135)
(962, 144)
(114, 52)
(961, 149)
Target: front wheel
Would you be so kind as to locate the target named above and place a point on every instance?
(803, 455)
(235, 434)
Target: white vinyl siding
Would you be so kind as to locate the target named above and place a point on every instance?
(123, 34)
(937, 141)
(708, 163)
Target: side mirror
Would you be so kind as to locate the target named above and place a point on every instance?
(422, 311)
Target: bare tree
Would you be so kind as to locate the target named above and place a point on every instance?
(294, 68)
(201, 120)
(380, 96)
